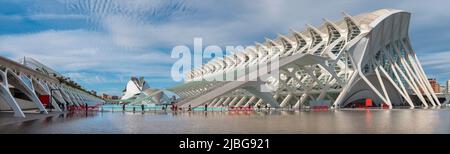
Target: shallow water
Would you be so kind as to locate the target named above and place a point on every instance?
(335, 121)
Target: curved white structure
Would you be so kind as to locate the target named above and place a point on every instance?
(137, 91)
(30, 79)
(337, 64)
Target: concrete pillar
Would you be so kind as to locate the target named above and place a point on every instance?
(5, 95)
(213, 102)
(234, 101)
(250, 101)
(260, 101)
(241, 101)
(300, 101)
(226, 101)
(286, 100)
(219, 102)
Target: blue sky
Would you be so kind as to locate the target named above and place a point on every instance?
(101, 43)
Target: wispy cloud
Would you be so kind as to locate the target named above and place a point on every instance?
(56, 16)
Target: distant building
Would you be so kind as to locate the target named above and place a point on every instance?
(435, 85)
(115, 97)
(93, 92)
(105, 96)
(137, 91)
(109, 97)
(447, 87)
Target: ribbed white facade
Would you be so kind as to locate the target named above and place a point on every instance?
(32, 79)
(337, 63)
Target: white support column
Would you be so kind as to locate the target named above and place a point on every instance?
(241, 101)
(75, 98)
(213, 102)
(22, 86)
(80, 99)
(59, 97)
(395, 68)
(344, 90)
(69, 96)
(275, 97)
(286, 100)
(326, 87)
(301, 100)
(402, 91)
(38, 87)
(424, 81)
(415, 61)
(419, 83)
(219, 102)
(375, 90)
(250, 101)
(235, 99)
(297, 103)
(6, 96)
(383, 88)
(259, 102)
(189, 93)
(225, 103)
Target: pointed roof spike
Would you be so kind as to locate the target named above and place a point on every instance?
(259, 45)
(284, 38)
(312, 27)
(280, 35)
(333, 24)
(269, 41)
(346, 14)
(327, 21)
(296, 32)
(351, 19)
(293, 30)
(300, 34)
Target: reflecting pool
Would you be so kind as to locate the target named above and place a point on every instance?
(305, 121)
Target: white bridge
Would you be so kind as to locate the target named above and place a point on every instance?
(342, 62)
(21, 84)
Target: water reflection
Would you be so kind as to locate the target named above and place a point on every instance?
(264, 121)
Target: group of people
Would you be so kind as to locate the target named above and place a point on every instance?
(175, 107)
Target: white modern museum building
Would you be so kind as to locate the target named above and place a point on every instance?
(339, 63)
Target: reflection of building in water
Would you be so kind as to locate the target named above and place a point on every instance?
(138, 91)
(109, 97)
(340, 62)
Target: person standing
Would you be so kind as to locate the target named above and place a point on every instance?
(206, 107)
(142, 107)
(173, 103)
